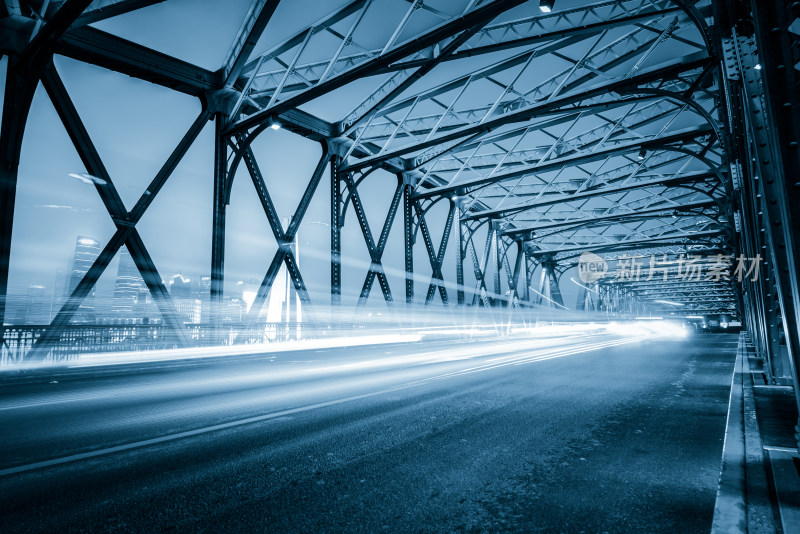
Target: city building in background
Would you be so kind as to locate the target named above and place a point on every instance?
(35, 309)
(87, 249)
(127, 290)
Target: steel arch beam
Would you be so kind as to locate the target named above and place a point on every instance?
(525, 114)
(604, 219)
(660, 143)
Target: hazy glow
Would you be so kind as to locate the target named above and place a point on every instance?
(651, 329)
(669, 303)
(87, 178)
(249, 297)
(112, 358)
(437, 337)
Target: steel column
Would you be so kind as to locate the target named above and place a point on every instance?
(19, 91)
(517, 271)
(22, 77)
(336, 233)
(459, 251)
(496, 262)
(219, 206)
(408, 239)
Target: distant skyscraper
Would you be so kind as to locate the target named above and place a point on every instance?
(38, 311)
(87, 250)
(201, 292)
(59, 289)
(128, 286)
(180, 287)
(33, 308)
(181, 290)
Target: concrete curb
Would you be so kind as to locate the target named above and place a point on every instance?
(742, 503)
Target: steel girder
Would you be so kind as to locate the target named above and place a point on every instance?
(103, 49)
(388, 55)
(580, 194)
(255, 22)
(108, 9)
(563, 224)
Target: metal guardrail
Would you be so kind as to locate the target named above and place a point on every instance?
(75, 340)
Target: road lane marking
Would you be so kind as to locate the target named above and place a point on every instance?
(191, 433)
(59, 401)
(780, 449)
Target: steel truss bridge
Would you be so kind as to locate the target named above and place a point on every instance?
(517, 139)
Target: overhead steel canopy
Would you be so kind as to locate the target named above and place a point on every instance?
(596, 127)
(529, 118)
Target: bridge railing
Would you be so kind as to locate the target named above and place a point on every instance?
(78, 339)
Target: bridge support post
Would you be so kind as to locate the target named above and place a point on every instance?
(497, 264)
(22, 76)
(458, 203)
(17, 101)
(336, 233)
(408, 234)
(218, 222)
(514, 294)
(548, 285)
(527, 271)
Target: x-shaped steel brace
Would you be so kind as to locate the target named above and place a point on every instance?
(480, 279)
(513, 277)
(285, 238)
(125, 221)
(375, 250)
(436, 258)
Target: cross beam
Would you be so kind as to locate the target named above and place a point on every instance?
(125, 221)
(375, 250)
(591, 221)
(285, 238)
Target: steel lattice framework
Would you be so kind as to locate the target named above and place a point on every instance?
(626, 128)
(594, 127)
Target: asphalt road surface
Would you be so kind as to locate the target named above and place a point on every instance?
(594, 433)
